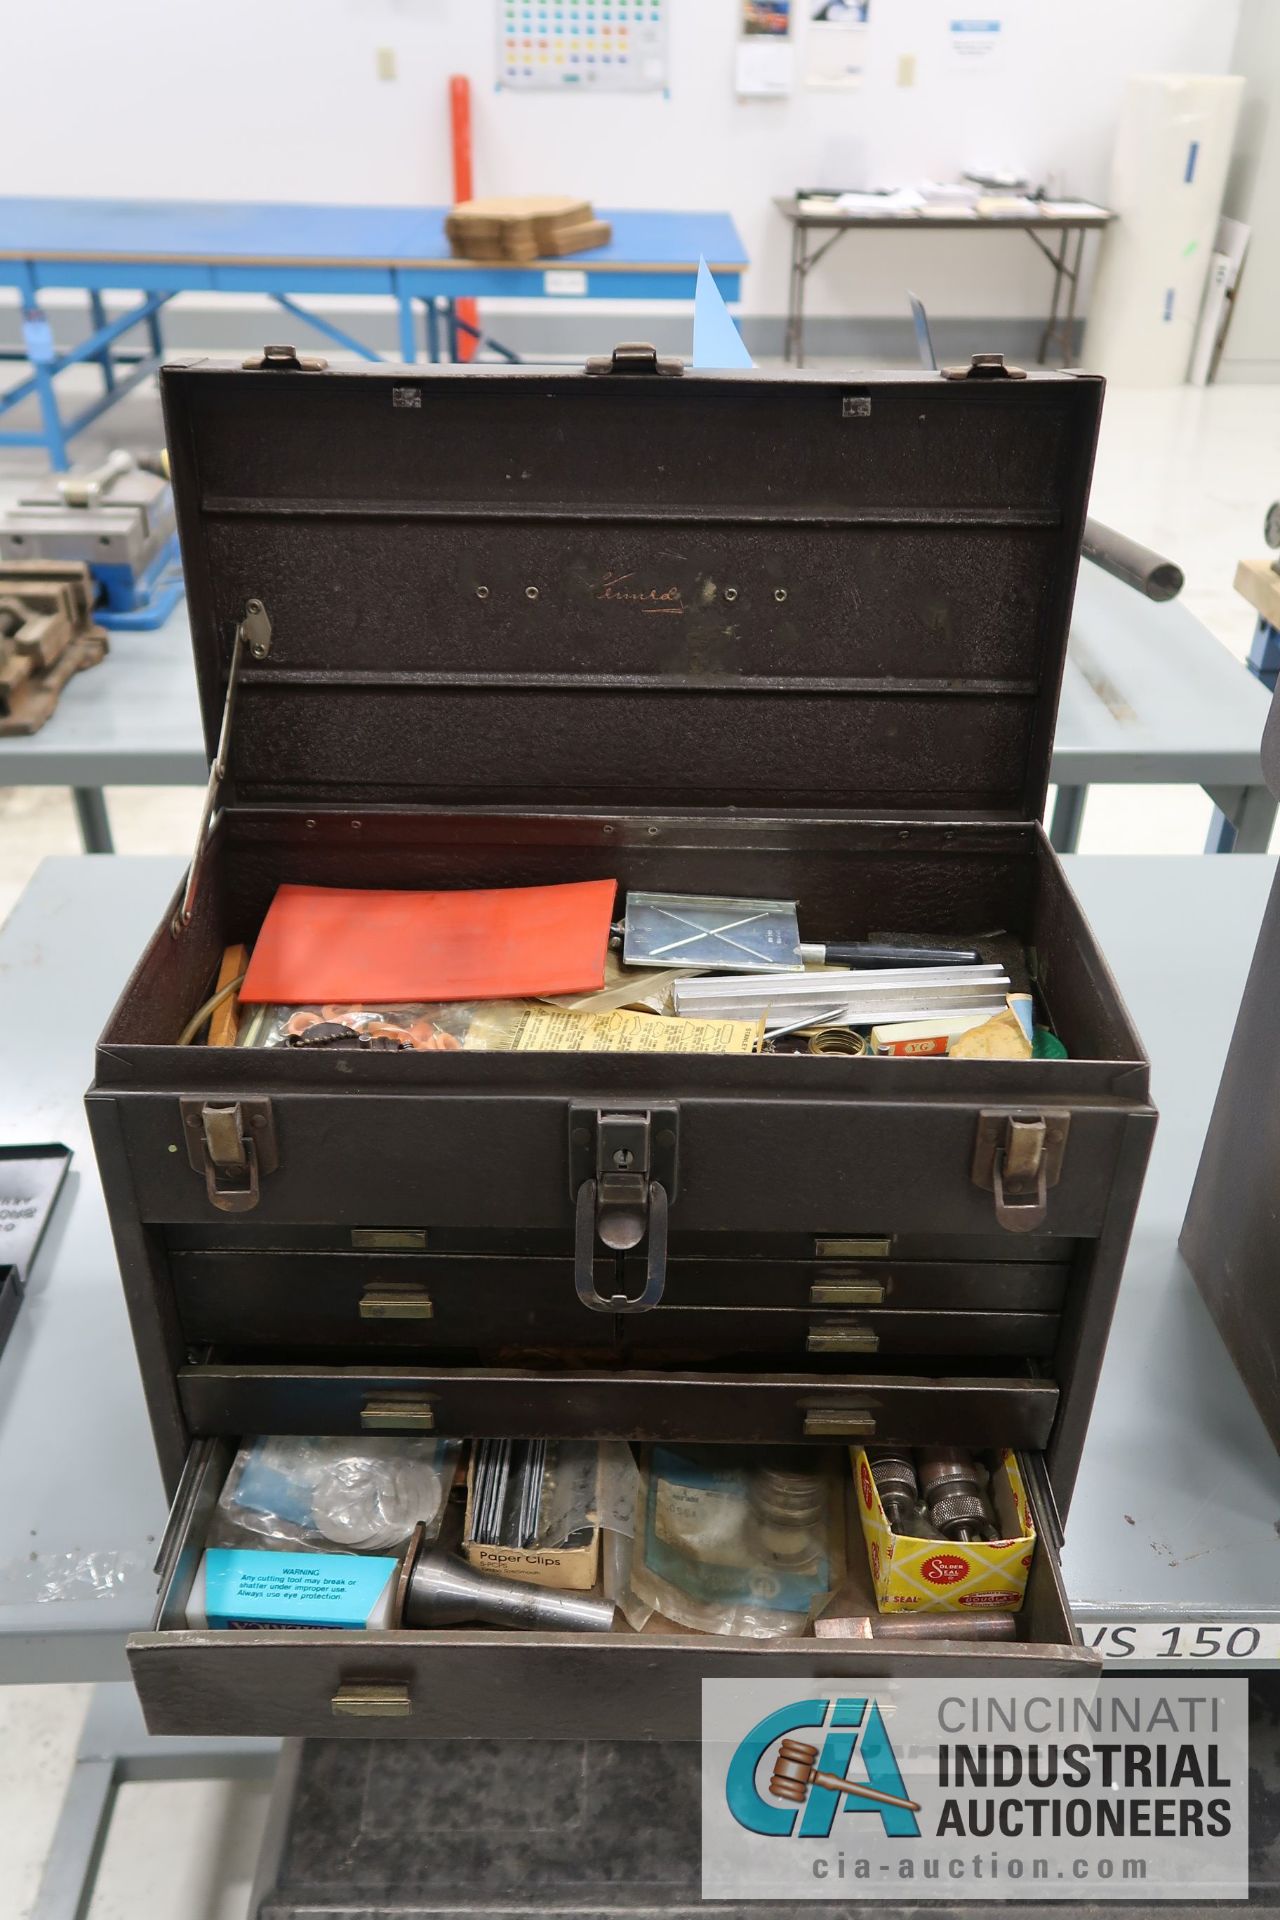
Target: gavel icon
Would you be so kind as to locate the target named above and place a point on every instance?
(795, 1771)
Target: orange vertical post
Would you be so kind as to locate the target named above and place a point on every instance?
(463, 189)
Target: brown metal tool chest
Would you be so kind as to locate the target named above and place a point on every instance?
(792, 636)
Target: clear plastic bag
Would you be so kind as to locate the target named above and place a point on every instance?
(361, 1496)
(418, 1028)
(744, 1541)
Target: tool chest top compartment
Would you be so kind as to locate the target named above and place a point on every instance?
(794, 637)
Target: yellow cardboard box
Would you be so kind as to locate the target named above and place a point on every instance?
(911, 1575)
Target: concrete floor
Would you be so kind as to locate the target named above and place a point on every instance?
(1190, 472)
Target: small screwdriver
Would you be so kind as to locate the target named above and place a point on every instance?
(863, 953)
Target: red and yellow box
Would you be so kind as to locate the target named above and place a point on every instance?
(912, 1575)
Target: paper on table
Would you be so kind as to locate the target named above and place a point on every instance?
(350, 944)
(1069, 209)
(547, 1030)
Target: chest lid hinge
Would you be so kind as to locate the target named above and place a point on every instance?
(284, 359)
(233, 1144)
(985, 366)
(622, 1175)
(253, 636)
(636, 356)
(1018, 1157)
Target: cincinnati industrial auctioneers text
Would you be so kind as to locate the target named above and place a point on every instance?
(1168, 1789)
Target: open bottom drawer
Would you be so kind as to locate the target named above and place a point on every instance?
(485, 1683)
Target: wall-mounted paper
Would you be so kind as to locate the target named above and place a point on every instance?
(763, 68)
(977, 43)
(835, 46)
(716, 340)
(764, 61)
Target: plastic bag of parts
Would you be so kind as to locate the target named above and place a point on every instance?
(486, 1026)
(743, 1541)
(391, 1029)
(362, 1496)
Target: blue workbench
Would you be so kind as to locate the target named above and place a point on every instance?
(159, 248)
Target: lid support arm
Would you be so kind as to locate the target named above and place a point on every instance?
(253, 635)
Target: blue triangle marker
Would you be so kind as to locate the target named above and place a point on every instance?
(716, 340)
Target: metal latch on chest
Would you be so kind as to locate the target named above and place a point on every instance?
(232, 1145)
(622, 1174)
(1018, 1157)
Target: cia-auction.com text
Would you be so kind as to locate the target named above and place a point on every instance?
(990, 1867)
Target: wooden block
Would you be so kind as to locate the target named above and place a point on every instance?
(226, 1018)
(1257, 582)
(579, 239)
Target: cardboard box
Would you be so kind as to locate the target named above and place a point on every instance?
(573, 1569)
(919, 1038)
(912, 1575)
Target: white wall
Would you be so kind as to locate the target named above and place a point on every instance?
(1252, 351)
(278, 99)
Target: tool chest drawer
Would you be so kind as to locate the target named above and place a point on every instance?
(1009, 1409)
(478, 1683)
(382, 1316)
(303, 1298)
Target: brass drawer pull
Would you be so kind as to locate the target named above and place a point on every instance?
(834, 1423)
(404, 1413)
(847, 1293)
(358, 1700)
(852, 1246)
(395, 1300)
(837, 1339)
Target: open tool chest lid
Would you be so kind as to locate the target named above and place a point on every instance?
(632, 587)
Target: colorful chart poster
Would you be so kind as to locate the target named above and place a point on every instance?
(583, 46)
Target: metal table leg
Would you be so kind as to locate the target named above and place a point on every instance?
(1066, 272)
(37, 340)
(155, 332)
(98, 317)
(1073, 289)
(91, 812)
(795, 292)
(408, 343)
(802, 271)
(116, 1747)
(1068, 817)
(1242, 820)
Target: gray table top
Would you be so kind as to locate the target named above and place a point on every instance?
(801, 209)
(1175, 1515)
(1149, 695)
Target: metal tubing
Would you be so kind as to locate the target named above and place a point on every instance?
(1139, 567)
